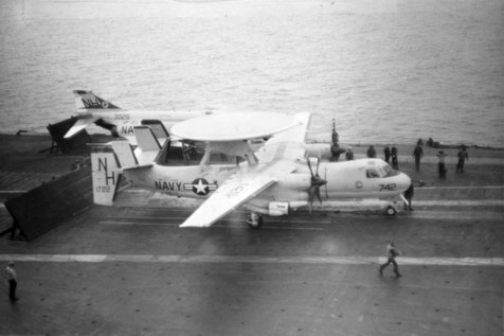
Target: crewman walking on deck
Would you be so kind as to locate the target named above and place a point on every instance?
(11, 276)
(462, 157)
(392, 253)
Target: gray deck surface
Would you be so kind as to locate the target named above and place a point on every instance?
(129, 270)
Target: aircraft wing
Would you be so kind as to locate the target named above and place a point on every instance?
(79, 125)
(236, 190)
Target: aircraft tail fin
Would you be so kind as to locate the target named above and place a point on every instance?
(124, 154)
(149, 146)
(146, 139)
(158, 129)
(86, 99)
(105, 173)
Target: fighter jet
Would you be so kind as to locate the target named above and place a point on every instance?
(120, 122)
(275, 180)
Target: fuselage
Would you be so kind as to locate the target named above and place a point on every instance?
(364, 178)
(124, 121)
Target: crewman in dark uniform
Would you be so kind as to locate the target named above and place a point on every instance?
(371, 152)
(462, 157)
(349, 154)
(441, 165)
(10, 273)
(336, 150)
(392, 254)
(386, 152)
(418, 153)
(395, 161)
(408, 194)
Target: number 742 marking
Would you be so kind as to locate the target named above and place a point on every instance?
(388, 187)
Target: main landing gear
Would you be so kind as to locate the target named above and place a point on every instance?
(255, 221)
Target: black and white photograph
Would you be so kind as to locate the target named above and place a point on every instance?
(252, 167)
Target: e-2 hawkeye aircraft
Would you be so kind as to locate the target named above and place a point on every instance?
(278, 178)
(120, 122)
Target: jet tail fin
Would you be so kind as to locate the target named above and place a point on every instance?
(105, 173)
(86, 99)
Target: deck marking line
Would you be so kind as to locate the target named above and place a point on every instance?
(488, 202)
(174, 258)
(460, 187)
(222, 226)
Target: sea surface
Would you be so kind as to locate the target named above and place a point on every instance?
(387, 71)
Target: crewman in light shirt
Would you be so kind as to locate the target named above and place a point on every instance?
(392, 254)
(12, 279)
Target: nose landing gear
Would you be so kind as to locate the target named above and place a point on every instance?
(255, 221)
(390, 211)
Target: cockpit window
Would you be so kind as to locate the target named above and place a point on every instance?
(372, 173)
(383, 171)
(389, 171)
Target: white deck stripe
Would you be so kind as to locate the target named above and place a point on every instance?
(460, 187)
(450, 160)
(487, 202)
(145, 258)
(244, 227)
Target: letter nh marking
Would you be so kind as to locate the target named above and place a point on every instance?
(103, 164)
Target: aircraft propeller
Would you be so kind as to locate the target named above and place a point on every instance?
(316, 183)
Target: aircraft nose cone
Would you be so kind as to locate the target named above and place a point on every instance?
(405, 181)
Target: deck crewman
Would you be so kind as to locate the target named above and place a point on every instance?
(392, 254)
(11, 276)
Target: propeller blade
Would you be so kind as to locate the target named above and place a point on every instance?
(309, 166)
(325, 178)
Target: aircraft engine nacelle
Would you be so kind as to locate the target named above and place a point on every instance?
(278, 208)
(295, 182)
(321, 150)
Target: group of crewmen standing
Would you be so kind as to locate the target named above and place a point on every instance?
(390, 154)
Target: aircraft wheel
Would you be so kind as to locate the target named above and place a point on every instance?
(391, 211)
(255, 222)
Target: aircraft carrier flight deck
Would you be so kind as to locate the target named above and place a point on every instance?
(130, 270)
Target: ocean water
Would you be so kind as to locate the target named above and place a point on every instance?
(387, 71)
